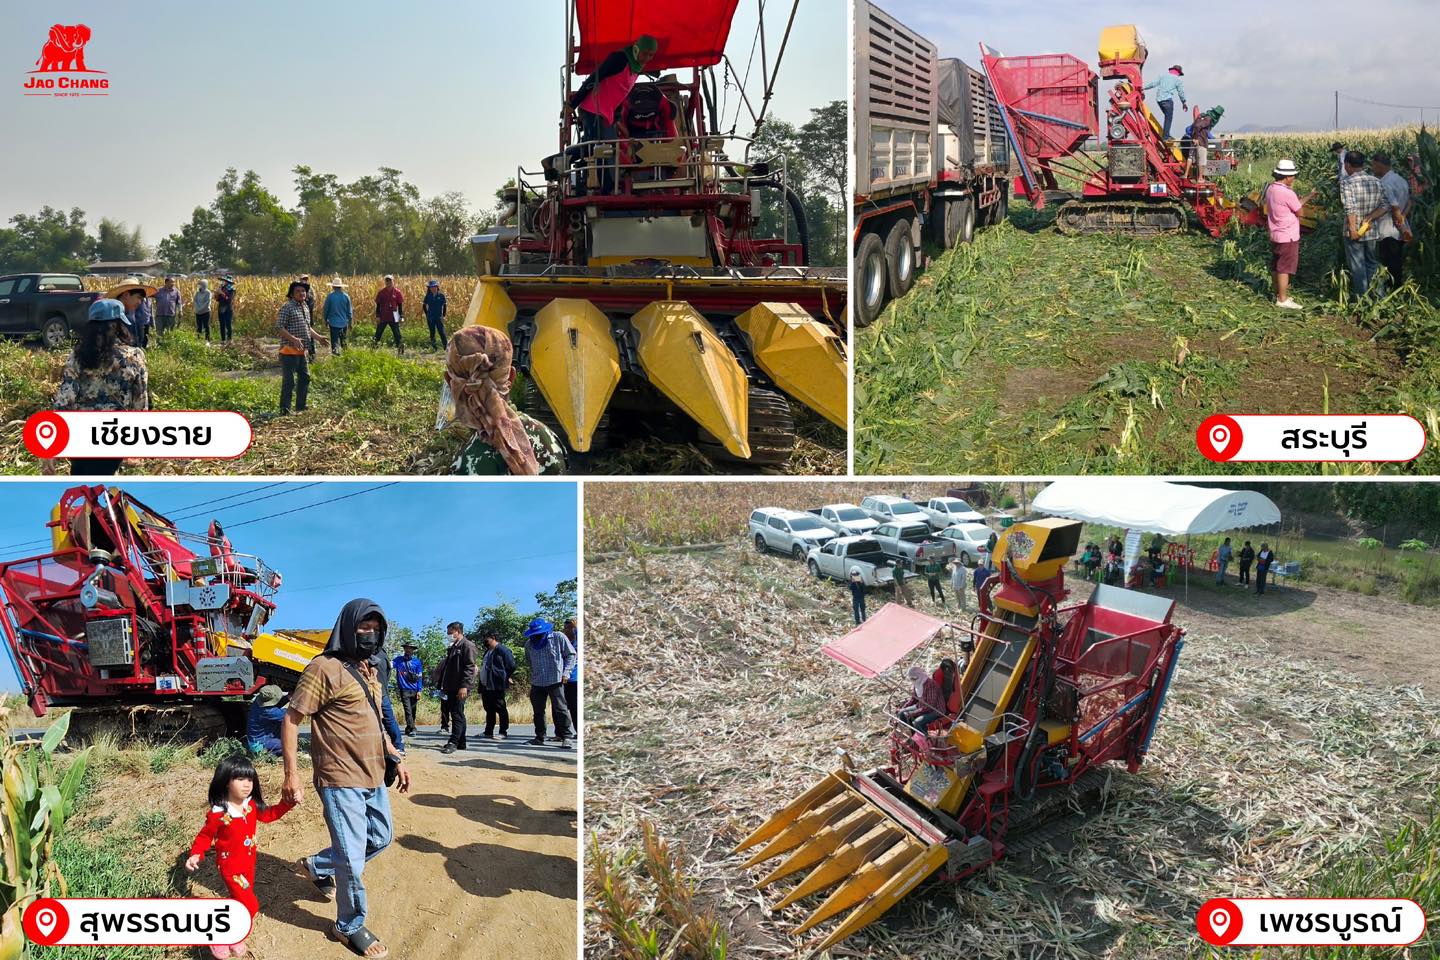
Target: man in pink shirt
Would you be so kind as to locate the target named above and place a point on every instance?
(1282, 214)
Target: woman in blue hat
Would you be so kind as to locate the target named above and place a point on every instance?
(105, 372)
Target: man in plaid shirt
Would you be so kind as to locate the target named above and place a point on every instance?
(296, 338)
(1367, 220)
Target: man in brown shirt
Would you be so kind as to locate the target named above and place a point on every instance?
(340, 693)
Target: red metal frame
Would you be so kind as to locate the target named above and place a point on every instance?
(1049, 105)
(41, 615)
(1117, 684)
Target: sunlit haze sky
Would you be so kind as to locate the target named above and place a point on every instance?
(422, 550)
(455, 95)
(1271, 65)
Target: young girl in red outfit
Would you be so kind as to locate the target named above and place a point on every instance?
(236, 806)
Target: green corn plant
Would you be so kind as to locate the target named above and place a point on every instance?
(37, 801)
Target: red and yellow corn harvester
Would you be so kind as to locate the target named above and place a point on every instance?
(632, 279)
(144, 629)
(1049, 692)
(1145, 186)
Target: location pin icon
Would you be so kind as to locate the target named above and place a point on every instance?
(1219, 436)
(46, 920)
(1219, 919)
(46, 434)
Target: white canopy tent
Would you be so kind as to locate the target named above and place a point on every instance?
(1156, 506)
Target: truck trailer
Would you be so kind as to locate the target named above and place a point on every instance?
(931, 155)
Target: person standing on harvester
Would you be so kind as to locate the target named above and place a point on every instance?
(457, 679)
(1168, 89)
(552, 657)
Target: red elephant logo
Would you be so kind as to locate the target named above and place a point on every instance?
(65, 50)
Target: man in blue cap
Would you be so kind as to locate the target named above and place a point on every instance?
(551, 657)
(434, 306)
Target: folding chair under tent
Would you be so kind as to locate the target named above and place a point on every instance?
(1156, 506)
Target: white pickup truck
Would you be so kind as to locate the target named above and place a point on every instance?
(912, 543)
(838, 557)
(945, 512)
(846, 519)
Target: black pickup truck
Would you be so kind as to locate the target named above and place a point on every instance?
(53, 305)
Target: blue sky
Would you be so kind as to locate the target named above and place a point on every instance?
(423, 550)
(1270, 64)
(456, 95)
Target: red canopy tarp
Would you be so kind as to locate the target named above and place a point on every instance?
(883, 640)
(691, 33)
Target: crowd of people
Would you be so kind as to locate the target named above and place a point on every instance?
(107, 369)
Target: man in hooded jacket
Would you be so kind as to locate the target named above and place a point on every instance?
(340, 692)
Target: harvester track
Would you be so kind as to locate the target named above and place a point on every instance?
(185, 722)
(1054, 814)
(771, 436)
(1120, 218)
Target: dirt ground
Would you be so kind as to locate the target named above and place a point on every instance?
(1373, 638)
(483, 864)
(1300, 728)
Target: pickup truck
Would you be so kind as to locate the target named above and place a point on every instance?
(53, 305)
(911, 543)
(838, 557)
(885, 508)
(787, 531)
(846, 519)
(947, 511)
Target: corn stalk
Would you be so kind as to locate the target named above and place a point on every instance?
(37, 801)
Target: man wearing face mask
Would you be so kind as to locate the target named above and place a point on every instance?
(340, 693)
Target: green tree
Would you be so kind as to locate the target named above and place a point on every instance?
(113, 241)
(558, 605)
(48, 240)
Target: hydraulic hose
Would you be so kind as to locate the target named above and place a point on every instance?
(797, 210)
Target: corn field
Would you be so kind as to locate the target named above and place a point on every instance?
(258, 299)
(38, 798)
(1317, 163)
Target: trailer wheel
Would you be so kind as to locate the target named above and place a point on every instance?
(900, 259)
(1002, 207)
(952, 222)
(964, 220)
(870, 275)
(939, 222)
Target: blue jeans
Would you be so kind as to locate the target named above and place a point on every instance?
(1361, 261)
(360, 827)
(1167, 107)
(1220, 573)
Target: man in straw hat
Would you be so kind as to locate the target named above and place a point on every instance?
(339, 311)
(1282, 215)
(296, 335)
(1167, 89)
(309, 302)
(133, 295)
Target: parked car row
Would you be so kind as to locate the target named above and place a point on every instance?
(882, 532)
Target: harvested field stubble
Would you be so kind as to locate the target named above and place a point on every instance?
(1264, 772)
